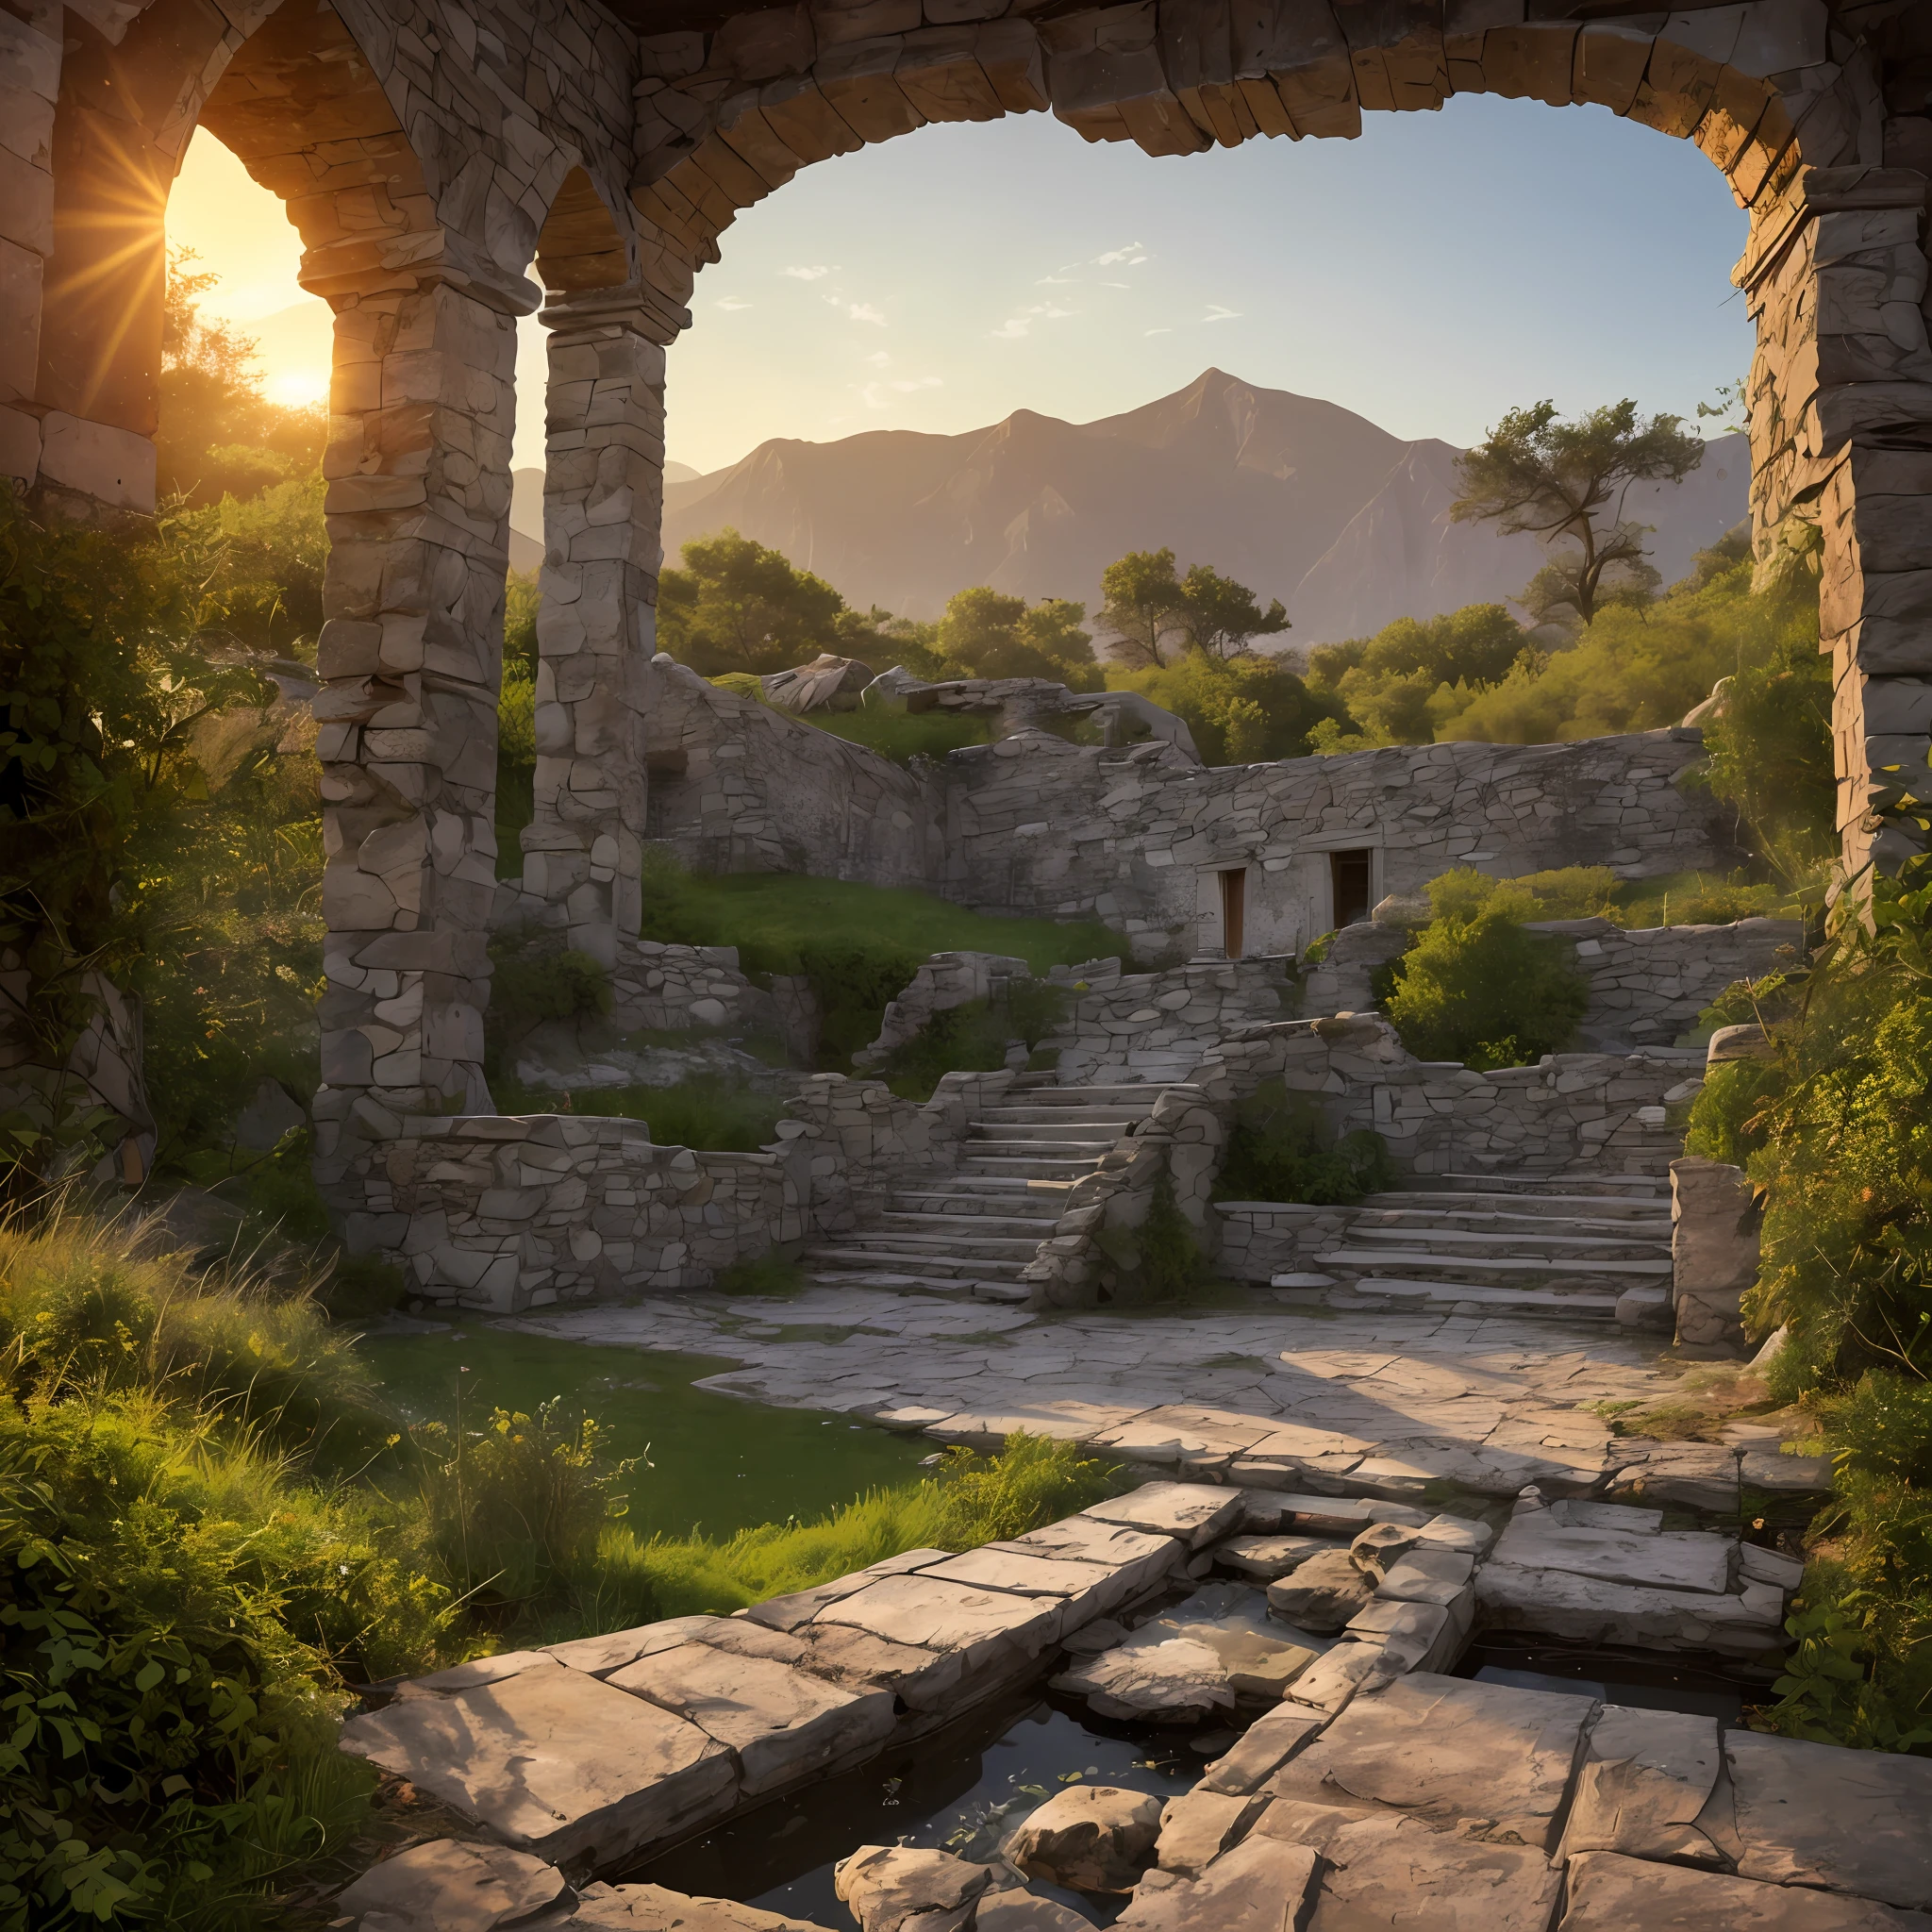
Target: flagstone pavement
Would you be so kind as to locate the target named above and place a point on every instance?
(1350, 1400)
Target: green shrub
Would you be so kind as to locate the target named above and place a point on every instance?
(718, 1115)
(1476, 988)
(533, 982)
(903, 736)
(1727, 1118)
(1282, 1149)
(974, 1038)
(1161, 1258)
(516, 1507)
(1033, 1480)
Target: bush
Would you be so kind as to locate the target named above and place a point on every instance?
(719, 1115)
(1476, 988)
(1281, 1149)
(532, 982)
(1241, 709)
(974, 1038)
(903, 736)
(1033, 1480)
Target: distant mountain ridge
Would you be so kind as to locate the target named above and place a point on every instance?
(1299, 498)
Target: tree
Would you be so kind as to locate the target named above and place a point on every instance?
(1396, 683)
(1143, 606)
(1157, 615)
(986, 633)
(219, 435)
(1222, 616)
(736, 605)
(1241, 710)
(1554, 479)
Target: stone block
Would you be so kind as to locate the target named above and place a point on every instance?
(1645, 1779)
(1087, 1838)
(1262, 1884)
(1196, 1513)
(1196, 1827)
(655, 1909)
(512, 1755)
(451, 1886)
(781, 1722)
(1447, 1751)
(897, 1888)
(1266, 1745)
(1612, 1893)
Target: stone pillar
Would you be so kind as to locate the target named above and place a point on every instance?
(1841, 435)
(603, 502)
(1714, 1220)
(410, 657)
(30, 83)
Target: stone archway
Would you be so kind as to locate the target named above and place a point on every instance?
(1788, 97)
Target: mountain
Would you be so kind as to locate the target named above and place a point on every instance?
(1299, 498)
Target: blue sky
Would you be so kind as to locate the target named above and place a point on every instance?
(1431, 274)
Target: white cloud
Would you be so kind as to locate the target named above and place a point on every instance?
(878, 396)
(732, 302)
(1217, 313)
(880, 358)
(1056, 282)
(806, 274)
(864, 312)
(1013, 329)
(1156, 331)
(1130, 255)
(1059, 314)
(1116, 285)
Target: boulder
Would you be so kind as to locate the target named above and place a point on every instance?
(1089, 1838)
(895, 1888)
(1321, 1595)
(1381, 1545)
(1645, 1779)
(1020, 1910)
(1612, 1893)
(1488, 1761)
(454, 1886)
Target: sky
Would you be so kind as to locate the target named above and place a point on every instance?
(1435, 272)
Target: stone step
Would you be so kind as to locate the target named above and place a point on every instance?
(948, 1238)
(959, 1267)
(1034, 1228)
(1029, 1167)
(1073, 1133)
(1457, 1264)
(1135, 1093)
(1620, 1186)
(1475, 1241)
(1547, 1301)
(1094, 1115)
(1488, 1219)
(940, 1287)
(1532, 1207)
(1037, 1210)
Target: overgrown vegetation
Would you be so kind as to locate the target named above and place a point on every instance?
(211, 1523)
(1282, 1149)
(974, 1037)
(1476, 986)
(858, 945)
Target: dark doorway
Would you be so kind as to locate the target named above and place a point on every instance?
(1348, 881)
(1234, 910)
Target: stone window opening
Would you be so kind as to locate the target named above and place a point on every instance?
(1234, 911)
(1350, 888)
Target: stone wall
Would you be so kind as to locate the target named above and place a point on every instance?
(738, 786)
(1156, 1026)
(1260, 1240)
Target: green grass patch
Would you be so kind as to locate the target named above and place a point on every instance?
(903, 736)
(974, 1038)
(859, 945)
(713, 1115)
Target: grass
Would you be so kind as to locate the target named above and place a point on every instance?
(714, 1115)
(901, 736)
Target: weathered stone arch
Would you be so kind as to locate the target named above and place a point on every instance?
(1788, 97)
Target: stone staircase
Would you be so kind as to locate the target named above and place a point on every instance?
(970, 1233)
(1578, 1244)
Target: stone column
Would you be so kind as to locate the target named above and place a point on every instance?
(30, 80)
(410, 657)
(1714, 1231)
(602, 500)
(1841, 430)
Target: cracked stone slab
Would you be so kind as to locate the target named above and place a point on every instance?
(935, 1615)
(1670, 1559)
(1262, 1884)
(1137, 1556)
(1378, 1870)
(656, 1908)
(1196, 1513)
(1487, 1759)
(1821, 1815)
(512, 1755)
(453, 1886)
(1612, 1893)
(1264, 1747)
(1646, 1778)
(782, 1723)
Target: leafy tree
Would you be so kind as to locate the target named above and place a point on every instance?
(1399, 683)
(1557, 480)
(1241, 710)
(989, 633)
(736, 605)
(1156, 615)
(219, 435)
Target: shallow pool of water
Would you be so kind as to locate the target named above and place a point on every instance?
(1706, 1686)
(716, 1462)
(960, 1789)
